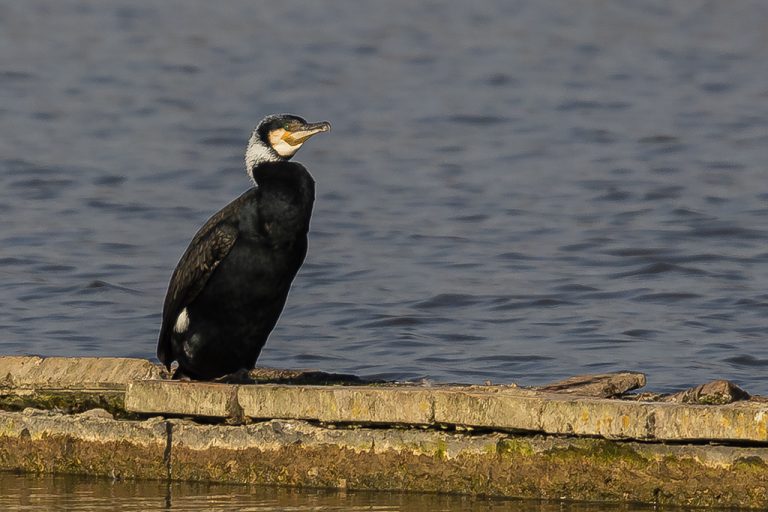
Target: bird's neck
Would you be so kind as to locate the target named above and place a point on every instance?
(286, 193)
(259, 153)
(280, 175)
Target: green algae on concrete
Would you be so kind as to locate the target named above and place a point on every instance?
(91, 443)
(296, 453)
(70, 384)
(70, 402)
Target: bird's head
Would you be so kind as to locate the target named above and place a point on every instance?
(278, 137)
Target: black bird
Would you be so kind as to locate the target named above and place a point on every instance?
(230, 286)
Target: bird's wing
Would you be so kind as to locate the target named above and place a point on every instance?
(208, 248)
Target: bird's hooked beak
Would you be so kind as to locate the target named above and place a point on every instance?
(303, 132)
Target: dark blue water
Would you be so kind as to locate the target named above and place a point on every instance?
(515, 191)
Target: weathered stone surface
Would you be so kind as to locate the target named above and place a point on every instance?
(603, 385)
(496, 408)
(92, 444)
(71, 384)
(611, 419)
(298, 454)
(717, 392)
(183, 398)
(348, 404)
(70, 401)
(13, 369)
(740, 421)
(513, 409)
(32, 372)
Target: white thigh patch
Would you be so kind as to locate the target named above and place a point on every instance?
(182, 322)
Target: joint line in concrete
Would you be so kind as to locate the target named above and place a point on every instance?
(168, 448)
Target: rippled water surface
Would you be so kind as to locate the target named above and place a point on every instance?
(514, 191)
(75, 494)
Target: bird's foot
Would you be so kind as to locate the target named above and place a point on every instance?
(241, 376)
(179, 374)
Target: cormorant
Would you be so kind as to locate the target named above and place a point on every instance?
(230, 286)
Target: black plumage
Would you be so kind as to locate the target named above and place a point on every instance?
(231, 284)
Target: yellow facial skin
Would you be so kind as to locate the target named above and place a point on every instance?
(287, 140)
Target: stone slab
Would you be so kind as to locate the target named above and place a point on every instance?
(297, 453)
(91, 443)
(339, 404)
(182, 398)
(499, 408)
(486, 407)
(19, 373)
(611, 419)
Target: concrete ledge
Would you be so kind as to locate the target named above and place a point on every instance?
(499, 408)
(611, 419)
(295, 453)
(481, 440)
(349, 404)
(19, 373)
(540, 467)
(73, 384)
(90, 443)
(182, 398)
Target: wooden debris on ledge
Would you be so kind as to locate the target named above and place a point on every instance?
(604, 385)
(717, 392)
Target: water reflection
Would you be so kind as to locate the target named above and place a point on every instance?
(22, 493)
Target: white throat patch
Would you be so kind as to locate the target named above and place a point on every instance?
(258, 152)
